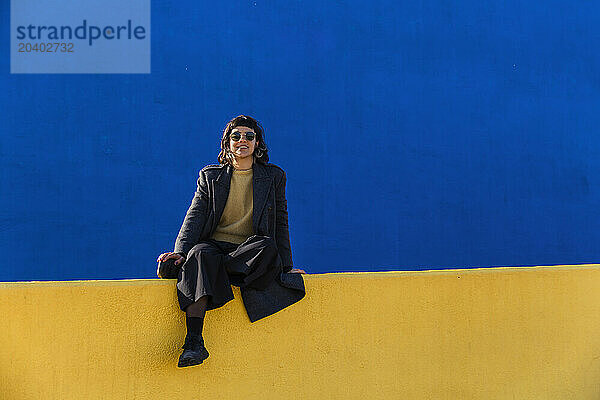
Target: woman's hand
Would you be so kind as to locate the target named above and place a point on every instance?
(170, 255)
(297, 271)
(169, 270)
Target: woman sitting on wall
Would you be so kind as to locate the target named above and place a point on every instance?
(235, 232)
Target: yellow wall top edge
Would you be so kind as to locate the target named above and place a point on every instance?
(366, 274)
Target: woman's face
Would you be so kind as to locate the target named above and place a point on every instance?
(242, 148)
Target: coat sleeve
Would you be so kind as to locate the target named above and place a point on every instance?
(282, 232)
(195, 218)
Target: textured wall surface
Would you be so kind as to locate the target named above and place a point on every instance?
(415, 135)
(514, 333)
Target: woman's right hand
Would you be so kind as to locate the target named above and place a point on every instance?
(170, 255)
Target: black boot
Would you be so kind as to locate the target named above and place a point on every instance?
(194, 352)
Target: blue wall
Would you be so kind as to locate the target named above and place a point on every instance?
(427, 134)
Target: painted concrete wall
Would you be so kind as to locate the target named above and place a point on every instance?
(514, 333)
(416, 135)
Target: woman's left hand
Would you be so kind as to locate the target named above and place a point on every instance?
(297, 271)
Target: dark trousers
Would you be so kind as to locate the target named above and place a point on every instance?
(213, 266)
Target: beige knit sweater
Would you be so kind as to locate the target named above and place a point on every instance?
(235, 225)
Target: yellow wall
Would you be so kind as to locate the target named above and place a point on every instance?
(503, 333)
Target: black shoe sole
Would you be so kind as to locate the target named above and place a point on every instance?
(190, 362)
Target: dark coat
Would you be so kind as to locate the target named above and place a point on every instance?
(270, 218)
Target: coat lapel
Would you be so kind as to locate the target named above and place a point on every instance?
(221, 193)
(261, 186)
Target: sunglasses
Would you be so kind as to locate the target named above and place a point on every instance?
(236, 136)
